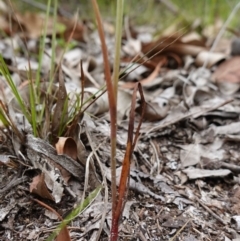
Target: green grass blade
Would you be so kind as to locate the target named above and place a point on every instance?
(40, 58)
(33, 108)
(33, 96)
(53, 42)
(42, 46)
(75, 212)
(3, 118)
(5, 72)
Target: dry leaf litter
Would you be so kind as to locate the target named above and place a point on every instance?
(184, 178)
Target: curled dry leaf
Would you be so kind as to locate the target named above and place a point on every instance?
(66, 145)
(39, 187)
(232, 128)
(211, 58)
(135, 71)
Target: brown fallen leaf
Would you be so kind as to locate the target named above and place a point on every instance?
(228, 71)
(171, 45)
(39, 187)
(66, 145)
(147, 80)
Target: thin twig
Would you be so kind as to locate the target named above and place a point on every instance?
(179, 231)
(211, 212)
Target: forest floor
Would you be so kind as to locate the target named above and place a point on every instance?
(184, 178)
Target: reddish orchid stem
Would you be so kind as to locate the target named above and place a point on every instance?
(112, 103)
(124, 181)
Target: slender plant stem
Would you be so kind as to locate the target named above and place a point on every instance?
(41, 51)
(53, 43)
(118, 40)
(111, 100)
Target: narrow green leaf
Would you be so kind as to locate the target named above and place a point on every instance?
(32, 94)
(3, 118)
(75, 212)
(5, 72)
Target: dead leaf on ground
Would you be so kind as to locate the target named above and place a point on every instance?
(191, 154)
(211, 58)
(34, 24)
(232, 128)
(194, 173)
(172, 44)
(147, 80)
(228, 71)
(66, 145)
(39, 187)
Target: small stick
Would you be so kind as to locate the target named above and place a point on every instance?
(211, 212)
